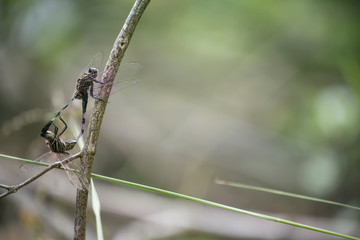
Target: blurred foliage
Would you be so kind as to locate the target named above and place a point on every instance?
(263, 92)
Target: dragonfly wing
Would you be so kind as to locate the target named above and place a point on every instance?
(47, 158)
(117, 86)
(72, 170)
(128, 70)
(95, 62)
(125, 78)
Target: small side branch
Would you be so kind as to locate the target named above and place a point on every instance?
(15, 188)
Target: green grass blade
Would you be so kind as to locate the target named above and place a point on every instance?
(202, 201)
(282, 193)
(218, 205)
(97, 209)
(23, 160)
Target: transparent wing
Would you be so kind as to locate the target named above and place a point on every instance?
(125, 78)
(48, 158)
(120, 85)
(95, 62)
(128, 71)
(72, 170)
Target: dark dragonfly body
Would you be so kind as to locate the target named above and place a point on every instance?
(53, 140)
(58, 153)
(84, 85)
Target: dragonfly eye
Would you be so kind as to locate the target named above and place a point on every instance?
(92, 70)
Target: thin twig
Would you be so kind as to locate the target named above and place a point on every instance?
(15, 188)
(113, 63)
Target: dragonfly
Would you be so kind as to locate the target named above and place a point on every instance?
(59, 151)
(88, 83)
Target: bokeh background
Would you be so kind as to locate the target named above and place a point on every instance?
(257, 92)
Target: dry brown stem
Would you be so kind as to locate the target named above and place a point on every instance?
(112, 65)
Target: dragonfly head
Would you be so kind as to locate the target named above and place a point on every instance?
(50, 136)
(93, 71)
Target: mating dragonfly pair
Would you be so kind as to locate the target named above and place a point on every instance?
(87, 83)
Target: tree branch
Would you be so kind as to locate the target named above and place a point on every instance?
(15, 188)
(112, 65)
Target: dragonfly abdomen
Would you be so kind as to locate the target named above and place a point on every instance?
(57, 146)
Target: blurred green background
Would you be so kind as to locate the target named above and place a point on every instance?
(259, 92)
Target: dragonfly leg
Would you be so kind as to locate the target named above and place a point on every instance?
(55, 130)
(51, 122)
(65, 126)
(47, 126)
(92, 91)
(101, 82)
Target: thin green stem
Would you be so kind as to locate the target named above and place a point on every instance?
(218, 205)
(282, 193)
(15, 188)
